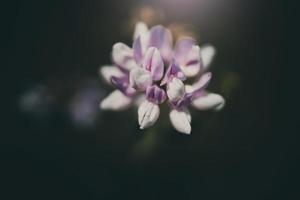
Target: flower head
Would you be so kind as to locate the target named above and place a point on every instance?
(154, 71)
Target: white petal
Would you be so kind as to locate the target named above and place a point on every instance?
(115, 101)
(123, 56)
(108, 71)
(203, 81)
(181, 120)
(175, 89)
(209, 101)
(148, 114)
(207, 53)
(121, 51)
(189, 71)
(141, 30)
(140, 78)
(193, 68)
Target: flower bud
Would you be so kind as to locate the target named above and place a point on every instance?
(175, 89)
(148, 113)
(140, 79)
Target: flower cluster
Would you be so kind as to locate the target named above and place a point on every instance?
(153, 72)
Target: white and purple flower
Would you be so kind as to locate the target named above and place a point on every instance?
(152, 72)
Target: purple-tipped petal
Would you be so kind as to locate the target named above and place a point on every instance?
(181, 96)
(183, 46)
(137, 50)
(187, 55)
(154, 64)
(192, 62)
(157, 36)
(155, 94)
(122, 56)
(140, 79)
(107, 72)
(182, 102)
(173, 71)
(161, 38)
(141, 30)
(122, 84)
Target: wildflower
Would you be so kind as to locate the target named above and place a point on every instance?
(152, 72)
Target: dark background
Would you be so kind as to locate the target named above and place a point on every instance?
(240, 153)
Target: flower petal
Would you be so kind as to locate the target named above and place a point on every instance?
(140, 78)
(161, 38)
(189, 88)
(115, 101)
(137, 50)
(175, 89)
(203, 81)
(183, 46)
(155, 94)
(200, 85)
(207, 53)
(122, 84)
(173, 71)
(123, 56)
(107, 72)
(141, 29)
(181, 120)
(209, 101)
(148, 114)
(192, 64)
(154, 64)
